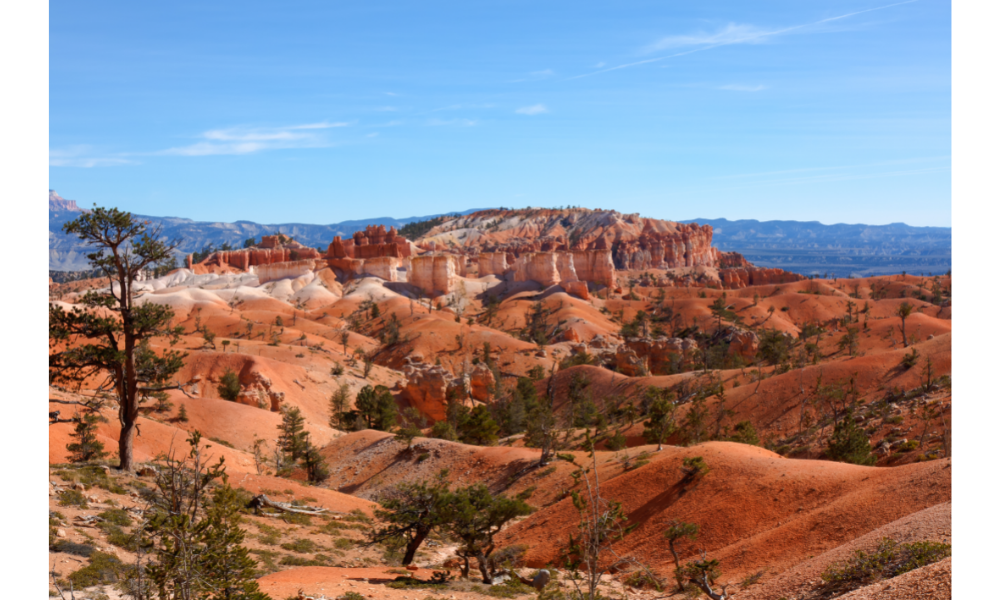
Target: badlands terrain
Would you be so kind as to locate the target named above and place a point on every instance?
(595, 313)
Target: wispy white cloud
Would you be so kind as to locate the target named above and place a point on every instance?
(247, 140)
(600, 64)
(534, 109)
(452, 122)
(726, 36)
(736, 87)
(731, 33)
(84, 156)
(371, 135)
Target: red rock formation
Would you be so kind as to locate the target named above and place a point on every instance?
(434, 274)
(594, 266)
(576, 288)
(270, 251)
(492, 263)
(373, 242)
(748, 276)
(744, 343)
(481, 381)
(284, 270)
(427, 388)
(643, 356)
(385, 267)
(537, 266)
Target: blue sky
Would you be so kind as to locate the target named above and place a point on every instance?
(321, 112)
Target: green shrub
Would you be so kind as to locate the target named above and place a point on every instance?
(103, 569)
(887, 560)
(116, 516)
(302, 546)
(298, 561)
(509, 589)
(909, 446)
(84, 550)
(343, 543)
(351, 596)
(73, 498)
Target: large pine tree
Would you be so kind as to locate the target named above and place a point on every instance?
(108, 332)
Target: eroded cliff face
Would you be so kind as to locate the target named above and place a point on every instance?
(537, 266)
(373, 242)
(595, 266)
(492, 263)
(427, 388)
(284, 270)
(434, 274)
(747, 276)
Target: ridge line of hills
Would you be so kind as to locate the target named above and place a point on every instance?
(804, 247)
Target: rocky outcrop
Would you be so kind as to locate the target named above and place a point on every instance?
(427, 388)
(576, 288)
(386, 267)
(537, 266)
(564, 264)
(750, 276)
(255, 390)
(479, 382)
(272, 250)
(284, 270)
(652, 356)
(594, 266)
(689, 246)
(492, 263)
(434, 274)
(744, 344)
(373, 242)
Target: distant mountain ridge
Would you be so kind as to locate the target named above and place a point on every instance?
(807, 248)
(840, 250)
(66, 253)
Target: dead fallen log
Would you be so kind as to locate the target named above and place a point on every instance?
(262, 501)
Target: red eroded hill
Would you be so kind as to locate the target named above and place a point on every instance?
(756, 509)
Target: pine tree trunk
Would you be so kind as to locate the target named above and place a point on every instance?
(481, 559)
(125, 446)
(411, 547)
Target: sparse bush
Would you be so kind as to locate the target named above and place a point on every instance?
(301, 545)
(849, 443)
(889, 559)
(73, 498)
(103, 569)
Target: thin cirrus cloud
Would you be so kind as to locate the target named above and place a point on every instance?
(83, 156)
(731, 33)
(244, 140)
(736, 87)
(534, 109)
(728, 35)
